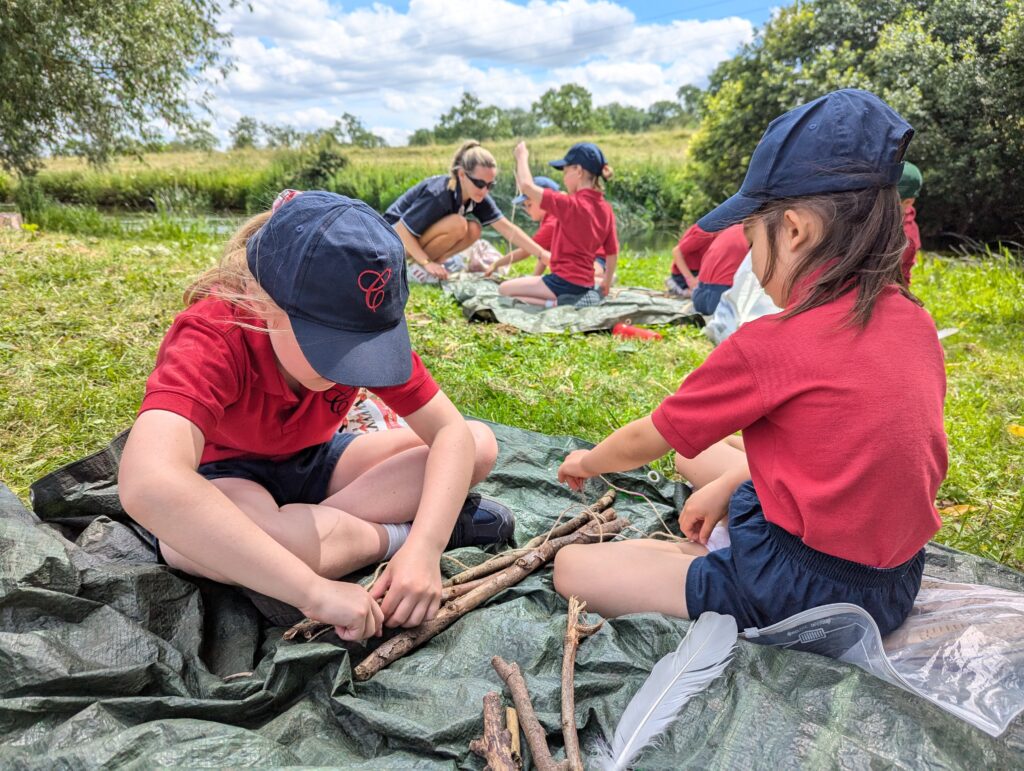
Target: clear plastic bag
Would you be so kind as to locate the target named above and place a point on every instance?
(961, 648)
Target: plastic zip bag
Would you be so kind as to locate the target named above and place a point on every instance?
(961, 648)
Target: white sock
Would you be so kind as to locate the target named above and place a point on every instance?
(396, 537)
(550, 303)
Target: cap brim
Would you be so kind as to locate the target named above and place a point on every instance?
(371, 359)
(518, 199)
(729, 212)
(559, 164)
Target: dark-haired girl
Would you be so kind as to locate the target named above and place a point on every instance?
(830, 492)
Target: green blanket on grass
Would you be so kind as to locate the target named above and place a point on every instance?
(480, 301)
(111, 660)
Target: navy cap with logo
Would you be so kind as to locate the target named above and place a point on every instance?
(338, 270)
(542, 182)
(846, 140)
(585, 154)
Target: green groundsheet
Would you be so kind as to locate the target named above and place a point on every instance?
(107, 659)
(480, 301)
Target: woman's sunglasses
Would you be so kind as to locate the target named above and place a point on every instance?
(481, 185)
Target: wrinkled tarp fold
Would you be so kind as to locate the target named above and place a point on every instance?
(109, 659)
(480, 301)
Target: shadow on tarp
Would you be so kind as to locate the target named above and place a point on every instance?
(110, 659)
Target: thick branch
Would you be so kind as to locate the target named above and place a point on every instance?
(496, 746)
(401, 644)
(574, 632)
(536, 736)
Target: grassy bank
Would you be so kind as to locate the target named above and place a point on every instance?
(85, 315)
(648, 183)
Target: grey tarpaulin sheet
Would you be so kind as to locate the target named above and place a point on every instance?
(480, 301)
(108, 659)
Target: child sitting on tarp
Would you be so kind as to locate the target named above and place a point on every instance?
(910, 188)
(544, 231)
(686, 259)
(822, 507)
(586, 224)
(719, 255)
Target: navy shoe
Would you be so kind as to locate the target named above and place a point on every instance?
(482, 521)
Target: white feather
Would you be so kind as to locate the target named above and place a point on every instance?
(701, 657)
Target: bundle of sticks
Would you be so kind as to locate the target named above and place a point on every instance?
(473, 587)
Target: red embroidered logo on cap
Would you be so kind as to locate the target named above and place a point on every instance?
(373, 293)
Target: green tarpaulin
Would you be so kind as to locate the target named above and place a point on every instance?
(480, 301)
(108, 659)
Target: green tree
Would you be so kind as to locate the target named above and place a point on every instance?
(622, 118)
(470, 119)
(199, 138)
(349, 130)
(568, 109)
(953, 68)
(691, 101)
(422, 136)
(281, 136)
(665, 113)
(245, 133)
(99, 72)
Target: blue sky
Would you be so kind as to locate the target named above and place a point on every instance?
(398, 66)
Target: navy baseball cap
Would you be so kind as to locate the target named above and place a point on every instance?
(845, 140)
(338, 270)
(544, 182)
(585, 154)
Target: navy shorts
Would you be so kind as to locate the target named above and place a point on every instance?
(707, 296)
(559, 286)
(678, 280)
(302, 478)
(767, 575)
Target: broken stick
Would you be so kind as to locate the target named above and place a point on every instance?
(574, 632)
(536, 736)
(496, 745)
(400, 644)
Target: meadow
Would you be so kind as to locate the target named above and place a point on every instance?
(84, 316)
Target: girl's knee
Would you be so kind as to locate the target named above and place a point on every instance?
(472, 230)
(570, 571)
(486, 450)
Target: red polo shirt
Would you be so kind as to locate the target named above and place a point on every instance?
(723, 256)
(842, 426)
(913, 235)
(546, 231)
(586, 224)
(224, 378)
(692, 246)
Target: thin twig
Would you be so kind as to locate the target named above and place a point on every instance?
(536, 736)
(574, 632)
(496, 745)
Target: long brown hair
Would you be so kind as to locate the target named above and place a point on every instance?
(859, 250)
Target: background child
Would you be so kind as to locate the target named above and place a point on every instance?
(686, 257)
(251, 384)
(909, 189)
(830, 494)
(586, 224)
(544, 231)
(430, 217)
(719, 258)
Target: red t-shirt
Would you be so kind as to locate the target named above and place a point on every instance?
(723, 256)
(913, 235)
(692, 246)
(546, 231)
(842, 427)
(586, 224)
(224, 378)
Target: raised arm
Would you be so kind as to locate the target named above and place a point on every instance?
(160, 489)
(523, 176)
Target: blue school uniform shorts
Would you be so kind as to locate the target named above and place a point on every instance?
(767, 575)
(302, 478)
(707, 296)
(560, 287)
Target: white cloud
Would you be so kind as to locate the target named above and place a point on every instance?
(306, 61)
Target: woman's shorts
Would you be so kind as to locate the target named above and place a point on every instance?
(707, 296)
(767, 575)
(559, 286)
(302, 478)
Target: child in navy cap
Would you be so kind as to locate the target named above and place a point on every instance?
(585, 227)
(830, 490)
(544, 231)
(235, 462)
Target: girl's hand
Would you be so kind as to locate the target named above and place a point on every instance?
(410, 587)
(571, 471)
(437, 271)
(705, 509)
(545, 257)
(354, 613)
(691, 282)
(520, 152)
(606, 285)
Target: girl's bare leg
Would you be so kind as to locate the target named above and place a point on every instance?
(449, 235)
(627, 576)
(530, 289)
(718, 459)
